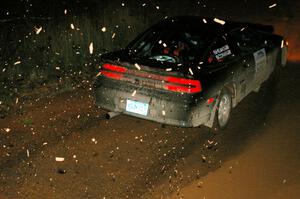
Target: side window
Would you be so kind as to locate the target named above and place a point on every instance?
(219, 52)
(246, 40)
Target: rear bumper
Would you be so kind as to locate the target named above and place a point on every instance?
(164, 107)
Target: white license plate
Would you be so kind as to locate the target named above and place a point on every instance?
(137, 107)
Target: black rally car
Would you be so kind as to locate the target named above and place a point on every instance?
(188, 71)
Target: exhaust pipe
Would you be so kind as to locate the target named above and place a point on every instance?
(111, 115)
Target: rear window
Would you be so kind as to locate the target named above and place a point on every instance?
(173, 46)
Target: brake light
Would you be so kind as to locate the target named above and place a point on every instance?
(114, 68)
(183, 85)
(113, 71)
(111, 75)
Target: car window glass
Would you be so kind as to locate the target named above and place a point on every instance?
(171, 46)
(246, 40)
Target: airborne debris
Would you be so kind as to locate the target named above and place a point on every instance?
(220, 21)
(133, 94)
(17, 62)
(65, 11)
(210, 142)
(38, 30)
(94, 140)
(59, 159)
(91, 48)
(190, 70)
(204, 20)
(7, 130)
(72, 26)
(137, 66)
(103, 29)
(273, 5)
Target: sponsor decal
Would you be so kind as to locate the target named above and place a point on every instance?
(260, 59)
(222, 52)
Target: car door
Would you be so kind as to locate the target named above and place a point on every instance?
(252, 59)
(221, 62)
(245, 69)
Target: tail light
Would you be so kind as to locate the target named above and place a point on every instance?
(113, 71)
(114, 68)
(171, 83)
(183, 85)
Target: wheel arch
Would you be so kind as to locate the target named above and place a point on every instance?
(231, 87)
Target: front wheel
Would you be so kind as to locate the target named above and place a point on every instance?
(223, 110)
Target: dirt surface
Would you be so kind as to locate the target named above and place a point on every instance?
(62, 147)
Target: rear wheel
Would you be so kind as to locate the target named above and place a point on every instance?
(223, 111)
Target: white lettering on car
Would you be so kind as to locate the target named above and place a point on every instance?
(222, 52)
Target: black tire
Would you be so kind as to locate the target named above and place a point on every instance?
(223, 111)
